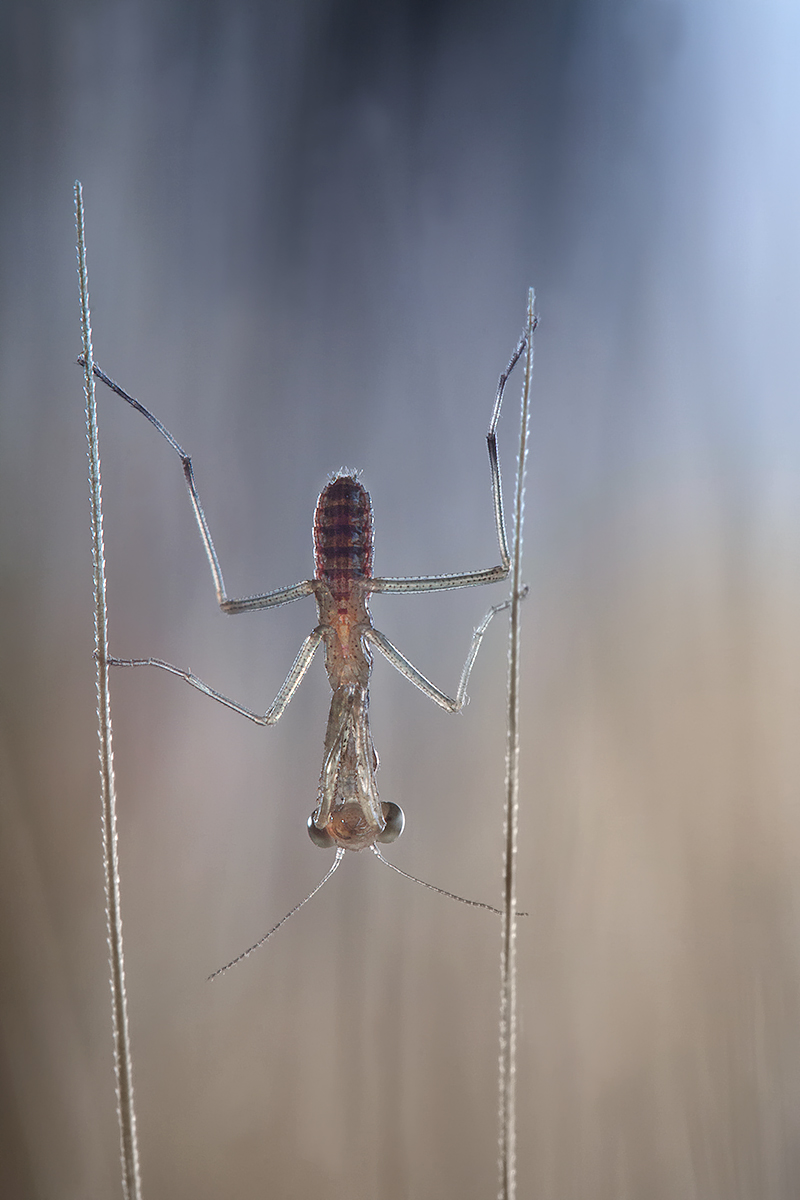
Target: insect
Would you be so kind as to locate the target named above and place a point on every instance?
(349, 815)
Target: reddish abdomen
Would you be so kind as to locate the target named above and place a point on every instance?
(343, 534)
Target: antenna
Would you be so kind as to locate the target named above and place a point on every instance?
(290, 913)
(433, 888)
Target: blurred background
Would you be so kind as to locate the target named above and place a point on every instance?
(311, 228)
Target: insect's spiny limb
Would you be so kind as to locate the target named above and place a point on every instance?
(437, 583)
(451, 703)
(279, 704)
(400, 662)
(188, 474)
(306, 587)
(268, 600)
(193, 681)
(205, 532)
(295, 677)
(336, 737)
(475, 645)
(140, 408)
(248, 603)
(494, 460)
(283, 920)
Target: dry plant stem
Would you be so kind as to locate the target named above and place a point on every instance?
(508, 996)
(131, 1185)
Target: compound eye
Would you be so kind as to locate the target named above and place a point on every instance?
(320, 837)
(393, 815)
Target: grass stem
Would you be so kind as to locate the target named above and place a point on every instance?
(131, 1185)
(508, 971)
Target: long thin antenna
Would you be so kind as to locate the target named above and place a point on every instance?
(442, 891)
(508, 962)
(131, 1183)
(283, 920)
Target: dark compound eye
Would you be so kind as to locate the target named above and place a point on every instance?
(395, 821)
(320, 837)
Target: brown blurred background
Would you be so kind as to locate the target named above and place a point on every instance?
(311, 229)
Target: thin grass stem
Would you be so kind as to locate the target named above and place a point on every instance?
(131, 1185)
(508, 965)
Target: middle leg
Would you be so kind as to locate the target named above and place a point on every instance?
(279, 704)
(400, 663)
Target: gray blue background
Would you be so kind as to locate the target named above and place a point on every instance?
(311, 230)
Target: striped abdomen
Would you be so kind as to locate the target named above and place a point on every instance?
(343, 534)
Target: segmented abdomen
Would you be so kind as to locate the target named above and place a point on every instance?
(343, 534)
